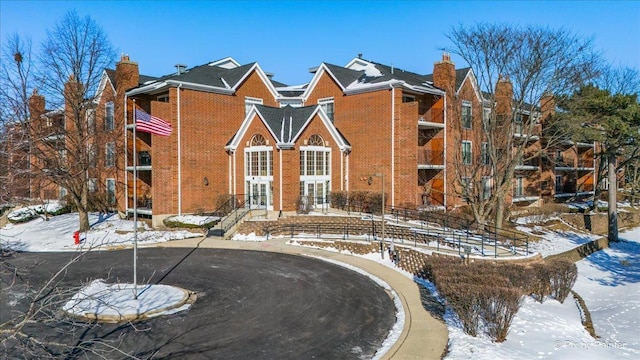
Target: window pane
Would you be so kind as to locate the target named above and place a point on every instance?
(310, 163)
(302, 169)
(320, 163)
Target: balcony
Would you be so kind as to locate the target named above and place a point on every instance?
(570, 163)
(431, 119)
(520, 132)
(570, 189)
(521, 194)
(531, 165)
(430, 159)
(143, 161)
(143, 205)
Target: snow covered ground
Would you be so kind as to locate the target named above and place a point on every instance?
(107, 231)
(608, 281)
(124, 302)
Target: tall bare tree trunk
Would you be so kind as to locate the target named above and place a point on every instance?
(613, 201)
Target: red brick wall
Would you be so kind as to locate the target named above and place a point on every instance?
(208, 121)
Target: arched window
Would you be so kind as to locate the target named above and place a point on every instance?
(315, 140)
(258, 140)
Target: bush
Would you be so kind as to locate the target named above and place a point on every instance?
(562, 276)
(541, 284)
(464, 299)
(339, 199)
(498, 306)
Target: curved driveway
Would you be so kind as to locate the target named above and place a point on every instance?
(423, 336)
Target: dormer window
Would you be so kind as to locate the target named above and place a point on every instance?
(249, 102)
(327, 105)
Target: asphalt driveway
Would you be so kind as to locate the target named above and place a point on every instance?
(251, 305)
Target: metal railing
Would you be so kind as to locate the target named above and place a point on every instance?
(229, 213)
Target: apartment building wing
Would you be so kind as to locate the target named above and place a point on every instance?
(282, 155)
(187, 172)
(394, 120)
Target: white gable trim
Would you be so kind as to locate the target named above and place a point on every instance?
(103, 84)
(265, 79)
(248, 120)
(316, 78)
(471, 77)
(226, 63)
(328, 125)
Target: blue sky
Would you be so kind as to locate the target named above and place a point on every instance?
(289, 37)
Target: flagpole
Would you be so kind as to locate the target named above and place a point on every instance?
(135, 207)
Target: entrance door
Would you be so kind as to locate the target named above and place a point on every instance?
(316, 192)
(260, 196)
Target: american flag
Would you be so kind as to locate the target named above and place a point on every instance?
(152, 124)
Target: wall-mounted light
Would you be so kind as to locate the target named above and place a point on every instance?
(205, 181)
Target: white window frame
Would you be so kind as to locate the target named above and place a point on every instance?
(486, 116)
(91, 121)
(466, 105)
(109, 116)
(519, 187)
(92, 185)
(110, 184)
(250, 101)
(467, 160)
(324, 104)
(110, 155)
(486, 187)
(485, 153)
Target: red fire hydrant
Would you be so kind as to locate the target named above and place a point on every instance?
(76, 237)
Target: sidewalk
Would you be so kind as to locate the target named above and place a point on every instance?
(423, 337)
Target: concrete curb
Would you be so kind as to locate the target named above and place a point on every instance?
(187, 298)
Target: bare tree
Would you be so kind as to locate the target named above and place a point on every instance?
(32, 323)
(16, 83)
(71, 63)
(517, 68)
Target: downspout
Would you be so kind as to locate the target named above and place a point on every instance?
(126, 160)
(393, 143)
(179, 155)
(280, 180)
(235, 178)
(231, 174)
(342, 177)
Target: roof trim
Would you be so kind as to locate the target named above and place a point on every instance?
(248, 120)
(474, 84)
(316, 78)
(103, 84)
(342, 145)
(263, 76)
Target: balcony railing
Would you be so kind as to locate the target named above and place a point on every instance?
(433, 118)
(430, 157)
(571, 162)
(521, 193)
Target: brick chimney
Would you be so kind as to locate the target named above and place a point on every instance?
(504, 96)
(36, 105)
(127, 75)
(444, 74)
(547, 105)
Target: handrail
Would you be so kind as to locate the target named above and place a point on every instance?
(423, 234)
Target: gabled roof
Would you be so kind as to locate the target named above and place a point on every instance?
(223, 76)
(286, 124)
(361, 75)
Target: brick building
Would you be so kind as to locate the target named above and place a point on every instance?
(236, 131)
